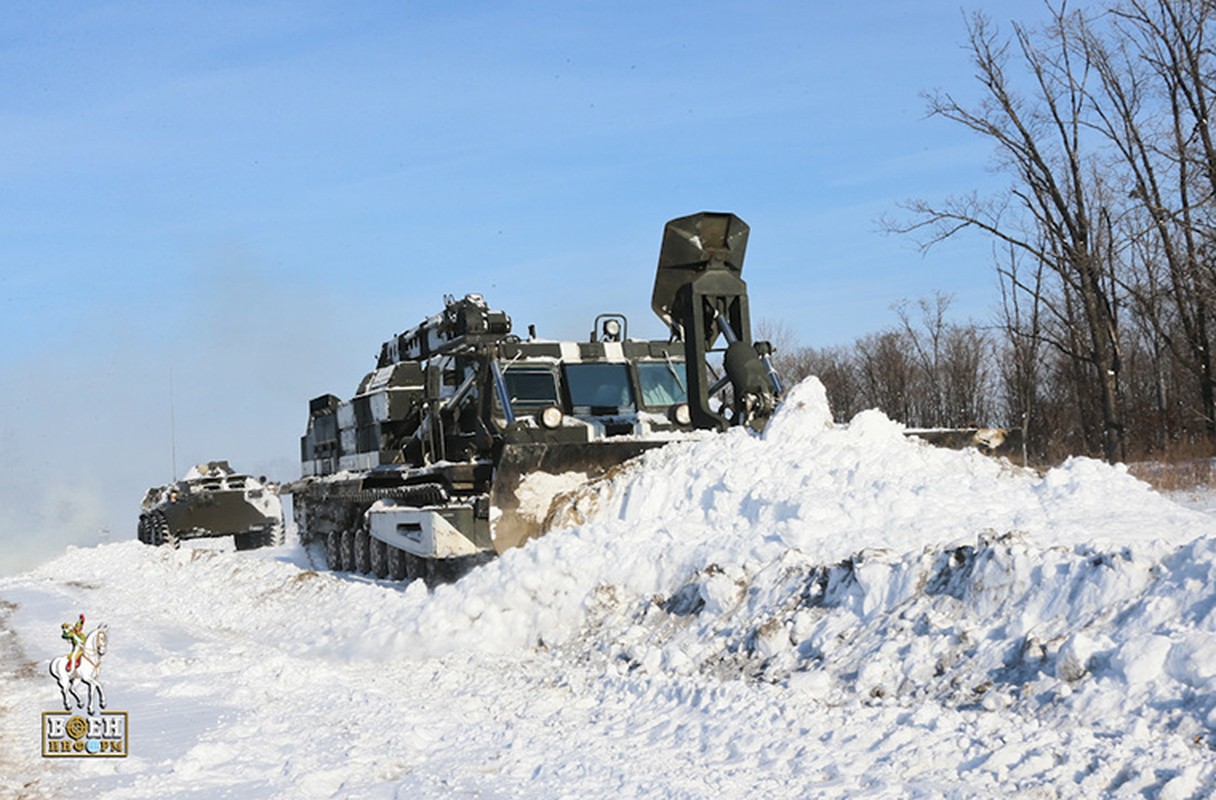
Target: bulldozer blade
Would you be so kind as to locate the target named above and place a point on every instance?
(534, 483)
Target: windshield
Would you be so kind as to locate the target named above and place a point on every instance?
(530, 389)
(664, 383)
(600, 386)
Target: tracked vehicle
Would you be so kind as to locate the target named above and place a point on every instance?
(458, 444)
(213, 500)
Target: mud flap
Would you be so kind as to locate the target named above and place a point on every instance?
(531, 477)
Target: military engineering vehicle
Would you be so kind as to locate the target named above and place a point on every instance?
(213, 500)
(456, 445)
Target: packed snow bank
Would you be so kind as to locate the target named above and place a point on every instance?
(736, 514)
(820, 610)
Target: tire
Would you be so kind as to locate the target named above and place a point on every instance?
(415, 567)
(333, 550)
(158, 531)
(142, 531)
(396, 563)
(377, 558)
(362, 552)
(275, 535)
(348, 551)
(247, 541)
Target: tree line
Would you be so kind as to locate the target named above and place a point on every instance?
(1102, 243)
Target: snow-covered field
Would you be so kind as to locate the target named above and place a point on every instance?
(821, 611)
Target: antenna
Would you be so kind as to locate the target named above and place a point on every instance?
(172, 426)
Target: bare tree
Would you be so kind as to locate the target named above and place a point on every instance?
(1057, 215)
(951, 388)
(837, 368)
(1021, 372)
(887, 375)
(1152, 106)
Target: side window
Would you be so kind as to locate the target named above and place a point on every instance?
(663, 383)
(531, 389)
(600, 386)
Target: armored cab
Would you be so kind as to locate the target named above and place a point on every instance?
(213, 500)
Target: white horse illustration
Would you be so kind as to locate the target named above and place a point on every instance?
(86, 672)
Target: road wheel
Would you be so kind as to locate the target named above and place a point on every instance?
(143, 530)
(362, 552)
(348, 550)
(158, 530)
(377, 557)
(333, 550)
(396, 563)
(247, 541)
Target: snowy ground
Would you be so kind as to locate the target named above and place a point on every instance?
(821, 611)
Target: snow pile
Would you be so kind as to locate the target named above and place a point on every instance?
(855, 562)
(735, 521)
(820, 610)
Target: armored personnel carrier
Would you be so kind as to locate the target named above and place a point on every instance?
(465, 437)
(213, 500)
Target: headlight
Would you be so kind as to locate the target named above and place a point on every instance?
(550, 418)
(681, 415)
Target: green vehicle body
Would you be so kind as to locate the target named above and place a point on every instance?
(468, 439)
(212, 501)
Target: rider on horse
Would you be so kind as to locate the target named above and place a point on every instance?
(74, 634)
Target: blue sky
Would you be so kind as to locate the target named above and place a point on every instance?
(234, 204)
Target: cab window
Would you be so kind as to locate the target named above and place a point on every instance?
(530, 389)
(663, 383)
(600, 386)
